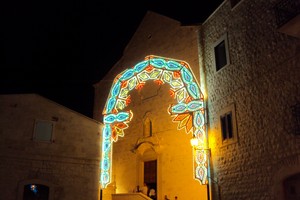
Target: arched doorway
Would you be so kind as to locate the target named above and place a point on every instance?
(35, 189)
(150, 174)
(35, 192)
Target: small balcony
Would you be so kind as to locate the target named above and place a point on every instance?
(288, 17)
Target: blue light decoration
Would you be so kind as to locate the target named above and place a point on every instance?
(188, 112)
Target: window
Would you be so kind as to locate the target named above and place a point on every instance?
(43, 131)
(292, 187)
(147, 127)
(36, 191)
(296, 116)
(221, 53)
(234, 3)
(228, 128)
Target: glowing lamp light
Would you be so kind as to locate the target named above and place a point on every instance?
(33, 188)
(194, 142)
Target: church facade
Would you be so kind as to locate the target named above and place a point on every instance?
(152, 150)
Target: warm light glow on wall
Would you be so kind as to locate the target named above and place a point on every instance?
(194, 142)
(188, 112)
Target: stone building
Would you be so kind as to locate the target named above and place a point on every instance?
(250, 59)
(47, 151)
(245, 57)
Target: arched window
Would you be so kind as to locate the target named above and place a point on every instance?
(147, 132)
(35, 192)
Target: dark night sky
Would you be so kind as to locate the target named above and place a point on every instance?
(59, 49)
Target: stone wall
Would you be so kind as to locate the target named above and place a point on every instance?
(68, 164)
(262, 82)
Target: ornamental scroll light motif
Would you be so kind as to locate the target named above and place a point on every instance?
(188, 112)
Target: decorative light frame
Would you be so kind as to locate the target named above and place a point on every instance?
(188, 112)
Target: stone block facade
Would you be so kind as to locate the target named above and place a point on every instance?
(262, 82)
(68, 163)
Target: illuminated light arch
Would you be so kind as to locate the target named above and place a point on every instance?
(188, 112)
